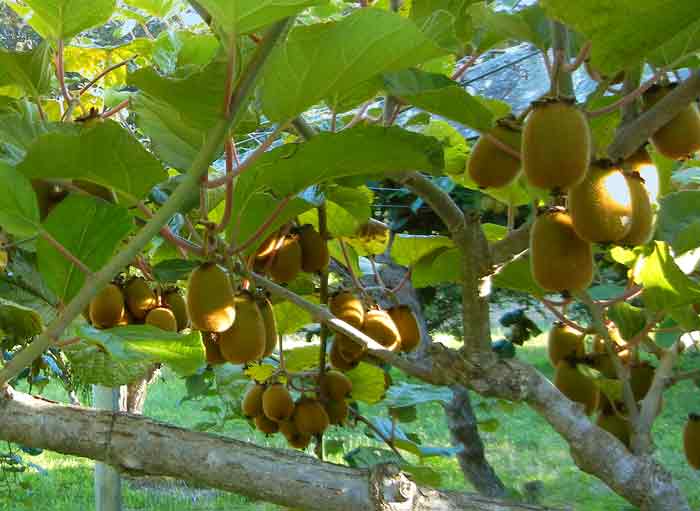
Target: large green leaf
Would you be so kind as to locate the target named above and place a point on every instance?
(174, 51)
(157, 8)
(408, 249)
(90, 229)
(447, 22)
(63, 19)
(628, 318)
(19, 321)
(291, 318)
(92, 365)
(453, 143)
(625, 32)
(317, 61)
(347, 210)
(438, 267)
(369, 383)
(184, 353)
(438, 94)
(665, 285)
(19, 127)
(106, 154)
(679, 220)
(492, 27)
(362, 150)
(29, 71)
(19, 212)
(517, 276)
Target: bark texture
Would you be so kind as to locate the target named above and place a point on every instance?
(137, 391)
(138, 445)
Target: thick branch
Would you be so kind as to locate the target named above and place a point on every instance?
(633, 135)
(139, 445)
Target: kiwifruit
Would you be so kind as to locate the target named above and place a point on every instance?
(597, 216)
(616, 425)
(641, 378)
(212, 351)
(246, 339)
(639, 159)
(126, 318)
(407, 324)
(335, 385)
(265, 425)
(210, 299)
(267, 247)
(680, 137)
(4, 259)
(270, 324)
(277, 403)
(107, 307)
(294, 437)
(691, 440)
(642, 218)
(564, 342)
(177, 304)
(252, 401)
(338, 361)
(380, 327)
(490, 166)
(286, 261)
(310, 418)
(347, 307)
(556, 144)
(576, 386)
(139, 297)
(162, 318)
(349, 349)
(559, 259)
(337, 411)
(95, 190)
(314, 251)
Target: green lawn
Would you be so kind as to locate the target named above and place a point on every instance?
(522, 449)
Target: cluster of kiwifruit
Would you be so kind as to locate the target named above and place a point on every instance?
(134, 302)
(273, 409)
(239, 327)
(567, 349)
(283, 256)
(396, 329)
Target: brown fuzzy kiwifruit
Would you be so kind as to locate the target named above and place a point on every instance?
(564, 342)
(638, 159)
(270, 324)
(641, 378)
(177, 304)
(265, 425)
(294, 437)
(210, 299)
(616, 425)
(691, 440)
(277, 403)
(556, 144)
(347, 307)
(286, 261)
(642, 217)
(338, 361)
(310, 418)
(337, 411)
(380, 327)
(107, 307)
(559, 259)
(407, 324)
(126, 318)
(267, 247)
(680, 137)
(314, 250)
(212, 351)
(139, 297)
(335, 385)
(246, 339)
(163, 318)
(349, 349)
(252, 401)
(489, 165)
(576, 386)
(596, 214)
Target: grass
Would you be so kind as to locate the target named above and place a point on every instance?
(524, 448)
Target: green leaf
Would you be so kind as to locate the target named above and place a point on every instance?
(453, 144)
(447, 22)
(291, 318)
(336, 252)
(438, 267)
(30, 71)
(493, 28)
(618, 43)
(408, 249)
(678, 221)
(438, 94)
(184, 353)
(175, 51)
(157, 8)
(624, 256)
(303, 358)
(318, 61)
(404, 394)
(628, 318)
(88, 228)
(19, 321)
(368, 383)
(665, 285)
(92, 365)
(106, 154)
(517, 276)
(18, 129)
(19, 212)
(236, 17)
(172, 270)
(364, 457)
(63, 19)
(362, 150)
(422, 474)
(260, 372)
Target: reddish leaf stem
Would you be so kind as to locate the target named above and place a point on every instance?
(70, 257)
(254, 237)
(121, 106)
(104, 73)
